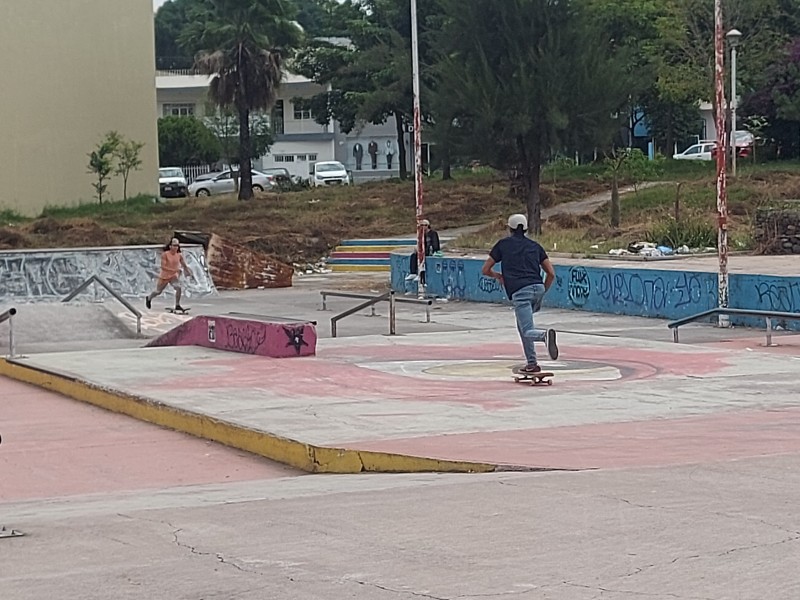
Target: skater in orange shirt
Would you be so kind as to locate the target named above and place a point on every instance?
(171, 264)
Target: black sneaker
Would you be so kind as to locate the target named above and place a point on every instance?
(552, 347)
(179, 308)
(530, 369)
(147, 302)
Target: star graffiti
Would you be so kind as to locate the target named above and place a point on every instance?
(295, 335)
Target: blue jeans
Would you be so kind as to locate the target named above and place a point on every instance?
(526, 301)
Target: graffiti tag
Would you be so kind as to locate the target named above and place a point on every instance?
(244, 338)
(579, 286)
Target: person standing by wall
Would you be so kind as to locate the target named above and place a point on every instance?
(522, 261)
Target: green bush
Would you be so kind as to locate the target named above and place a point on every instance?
(692, 232)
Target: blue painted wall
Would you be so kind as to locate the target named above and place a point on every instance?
(636, 292)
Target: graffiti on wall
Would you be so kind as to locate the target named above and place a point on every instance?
(452, 276)
(781, 296)
(131, 271)
(644, 292)
(579, 286)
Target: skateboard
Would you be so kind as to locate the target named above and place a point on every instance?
(540, 378)
(183, 311)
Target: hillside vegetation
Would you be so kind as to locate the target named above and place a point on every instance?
(304, 226)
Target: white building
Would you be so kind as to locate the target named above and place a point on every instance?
(369, 152)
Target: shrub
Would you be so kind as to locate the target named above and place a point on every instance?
(693, 232)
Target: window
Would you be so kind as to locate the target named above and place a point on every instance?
(277, 118)
(178, 110)
(312, 157)
(284, 158)
(301, 157)
(302, 110)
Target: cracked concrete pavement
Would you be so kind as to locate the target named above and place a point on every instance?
(119, 509)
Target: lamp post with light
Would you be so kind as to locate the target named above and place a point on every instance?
(733, 37)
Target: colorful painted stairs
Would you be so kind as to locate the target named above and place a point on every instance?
(366, 255)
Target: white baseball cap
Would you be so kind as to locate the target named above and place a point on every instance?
(515, 221)
(425, 222)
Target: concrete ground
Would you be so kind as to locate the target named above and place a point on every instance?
(677, 465)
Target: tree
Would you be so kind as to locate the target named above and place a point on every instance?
(243, 44)
(370, 78)
(101, 162)
(186, 141)
(777, 104)
(529, 75)
(170, 20)
(128, 159)
(224, 125)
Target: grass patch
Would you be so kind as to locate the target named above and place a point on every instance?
(9, 217)
(141, 204)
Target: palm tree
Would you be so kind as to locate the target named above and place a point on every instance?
(243, 44)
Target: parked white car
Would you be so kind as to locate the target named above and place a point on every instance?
(224, 183)
(172, 182)
(701, 151)
(329, 172)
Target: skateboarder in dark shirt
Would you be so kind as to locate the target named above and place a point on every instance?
(522, 262)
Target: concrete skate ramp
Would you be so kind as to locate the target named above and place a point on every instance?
(47, 275)
(247, 335)
(58, 325)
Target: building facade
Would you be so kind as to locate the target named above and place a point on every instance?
(369, 151)
(73, 71)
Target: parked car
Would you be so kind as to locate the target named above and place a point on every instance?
(701, 151)
(329, 172)
(744, 144)
(279, 175)
(224, 183)
(172, 183)
(206, 176)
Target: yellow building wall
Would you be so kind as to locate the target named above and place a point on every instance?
(73, 70)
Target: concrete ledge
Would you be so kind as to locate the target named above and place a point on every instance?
(248, 336)
(294, 453)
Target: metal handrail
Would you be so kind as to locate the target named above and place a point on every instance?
(373, 300)
(125, 303)
(426, 302)
(768, 315)
(8, 315)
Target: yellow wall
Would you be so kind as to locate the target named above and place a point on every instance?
(72, 70)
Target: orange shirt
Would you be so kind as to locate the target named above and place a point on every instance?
(170, 265)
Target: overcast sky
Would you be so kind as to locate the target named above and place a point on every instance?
(157, 3)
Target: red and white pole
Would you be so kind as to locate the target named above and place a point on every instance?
(722, 146)
(417, 150)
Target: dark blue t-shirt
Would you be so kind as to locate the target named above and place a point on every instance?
(521, 260)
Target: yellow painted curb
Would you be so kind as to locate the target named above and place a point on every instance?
(306, 457)
(360, 249)
(386, 268)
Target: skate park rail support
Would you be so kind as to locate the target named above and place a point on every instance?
(125, 303)
(371, 301)
(767, 315)
(9, 316)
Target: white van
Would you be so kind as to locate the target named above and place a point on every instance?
(329, 172)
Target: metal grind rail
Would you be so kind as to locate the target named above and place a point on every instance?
(101, 282)
(8, 315)
(370, 302)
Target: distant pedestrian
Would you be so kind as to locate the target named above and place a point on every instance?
(171, 264)
(432, 246)
(522, 261)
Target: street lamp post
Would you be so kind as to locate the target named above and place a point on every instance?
(733, 37)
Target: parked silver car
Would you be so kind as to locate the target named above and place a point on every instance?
(224, 183)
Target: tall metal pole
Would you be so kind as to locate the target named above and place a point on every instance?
(417, 151)
(722, 191)
(733, 108)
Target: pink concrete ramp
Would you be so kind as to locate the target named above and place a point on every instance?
(248, 335)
